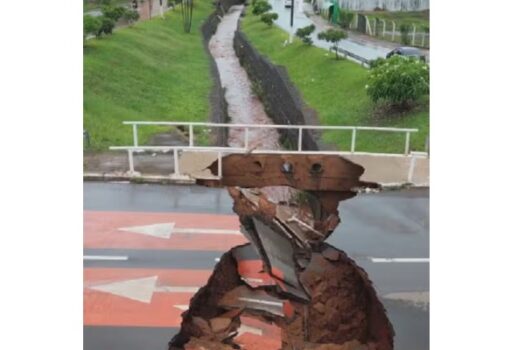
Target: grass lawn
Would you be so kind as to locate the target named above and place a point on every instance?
(336, 90)
(151, 71)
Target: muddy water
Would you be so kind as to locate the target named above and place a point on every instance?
(244, 106)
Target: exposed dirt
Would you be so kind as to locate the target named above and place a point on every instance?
(344, 305)
(196, 321)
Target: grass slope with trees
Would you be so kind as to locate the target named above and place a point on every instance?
(151, 71)
(336, 89)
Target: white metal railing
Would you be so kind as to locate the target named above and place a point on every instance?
(247, 128)
(221, 151)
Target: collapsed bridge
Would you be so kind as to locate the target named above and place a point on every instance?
(318, 296)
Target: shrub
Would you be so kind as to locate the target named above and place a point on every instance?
(398, 81)
(131, 16)
(333, 36)
(404, 29)
(91, 25)
(261, 7)
(377, 62)
(106, 27)
(345, 18)
(114, 13)
(304, 34)
(268, 18)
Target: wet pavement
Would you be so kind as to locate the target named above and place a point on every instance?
(374, 226)
(367, 51)
(244, 107)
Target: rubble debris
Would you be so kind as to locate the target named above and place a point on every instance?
(287, 275)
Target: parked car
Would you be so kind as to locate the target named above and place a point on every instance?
(407, 51)
(287, 3)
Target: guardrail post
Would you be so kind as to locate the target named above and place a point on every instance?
(135, 136)
(176, 161)
(354, 132)
(393, 31)
(407, 142)
(411, 169)
(246, 137)
(191, 135)
(300, 140)
(130, 161)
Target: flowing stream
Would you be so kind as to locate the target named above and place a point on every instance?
(244, 107)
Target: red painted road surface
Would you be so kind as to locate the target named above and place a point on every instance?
(129, 297)
(101, 230)
(103, 308)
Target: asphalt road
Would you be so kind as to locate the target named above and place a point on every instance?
(375, 229)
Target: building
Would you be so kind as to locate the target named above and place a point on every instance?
(150, 8)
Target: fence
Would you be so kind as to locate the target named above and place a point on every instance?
(407, 34)
(221, 151)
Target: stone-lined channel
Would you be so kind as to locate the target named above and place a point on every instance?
(244, 107)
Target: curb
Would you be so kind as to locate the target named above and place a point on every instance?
(138, 179)
(168, 180)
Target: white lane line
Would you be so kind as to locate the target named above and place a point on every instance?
(105, 257)
(400, 260)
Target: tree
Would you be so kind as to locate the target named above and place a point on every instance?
(333, 36)
(304, 34)
(260, 7)
(187, 14)
(398, 81)
(268, 18)
(91, 25)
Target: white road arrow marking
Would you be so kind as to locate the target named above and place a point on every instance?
(140, 289)
(165, 230)
(155, 230)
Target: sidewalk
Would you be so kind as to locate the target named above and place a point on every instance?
(356, 37)
(361, 50)
(158, 167)
(363, 47)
